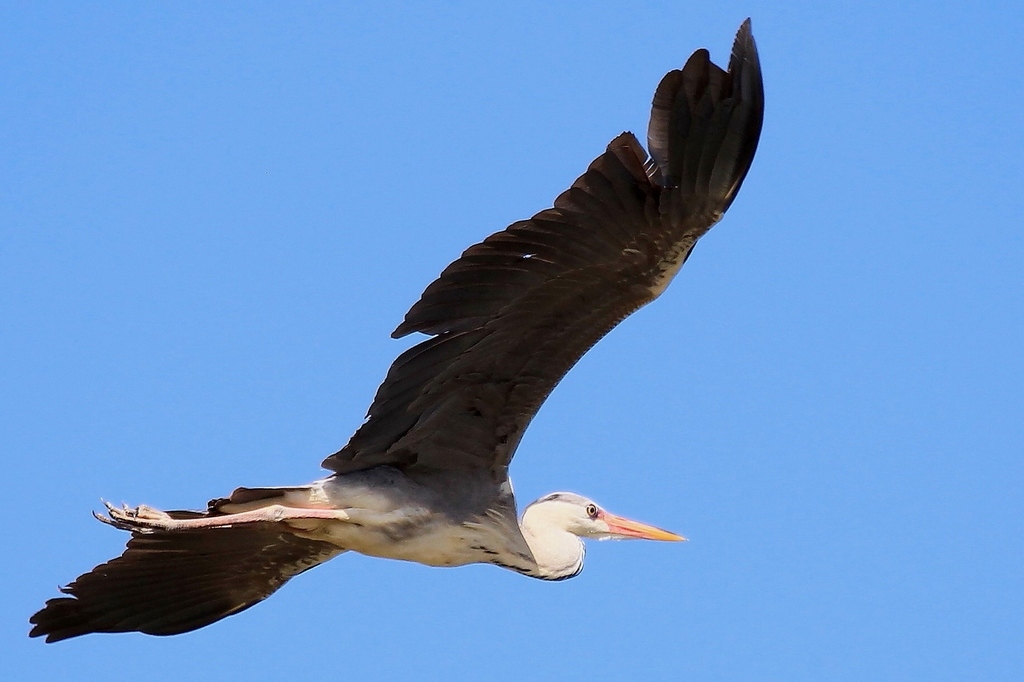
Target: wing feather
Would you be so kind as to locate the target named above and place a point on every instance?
(515, 312)
(174, 582)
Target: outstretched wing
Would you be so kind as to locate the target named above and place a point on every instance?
(167, 583)
(515, 312)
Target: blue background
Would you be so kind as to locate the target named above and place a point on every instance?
(211, 218)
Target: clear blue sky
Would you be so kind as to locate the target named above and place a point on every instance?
(211, 218)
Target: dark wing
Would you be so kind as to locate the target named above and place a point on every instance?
(511, 316)
(173, 582)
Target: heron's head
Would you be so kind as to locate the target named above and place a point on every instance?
(586, 519)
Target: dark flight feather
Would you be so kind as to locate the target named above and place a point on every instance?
(515, 312)
(172, 582)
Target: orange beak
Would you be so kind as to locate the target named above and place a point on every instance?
(625, 528)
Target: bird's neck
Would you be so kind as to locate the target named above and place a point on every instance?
(559, 554)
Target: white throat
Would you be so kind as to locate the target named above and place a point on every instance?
(559, 554)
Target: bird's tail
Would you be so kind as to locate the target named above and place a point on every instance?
(169, 582)
(705, 125)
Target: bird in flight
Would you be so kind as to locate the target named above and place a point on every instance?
(425, 478)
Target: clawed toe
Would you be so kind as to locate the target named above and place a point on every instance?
(141, 519)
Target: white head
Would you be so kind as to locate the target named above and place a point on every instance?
(554, 525)
(584, 518)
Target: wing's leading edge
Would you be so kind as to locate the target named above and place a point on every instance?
(515, 312)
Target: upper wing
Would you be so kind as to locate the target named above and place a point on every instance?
(515, 312)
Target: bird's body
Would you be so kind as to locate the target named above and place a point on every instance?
(425, 478)
(393, 517)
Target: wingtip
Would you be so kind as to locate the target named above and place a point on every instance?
(44, 624)
(745, 32)
(743, 46)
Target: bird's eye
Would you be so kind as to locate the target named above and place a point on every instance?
(592, 511)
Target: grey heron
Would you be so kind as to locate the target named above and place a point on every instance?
(425, 477)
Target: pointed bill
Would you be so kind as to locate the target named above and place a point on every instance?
(627, 528)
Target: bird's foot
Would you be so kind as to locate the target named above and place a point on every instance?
(143, 519)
